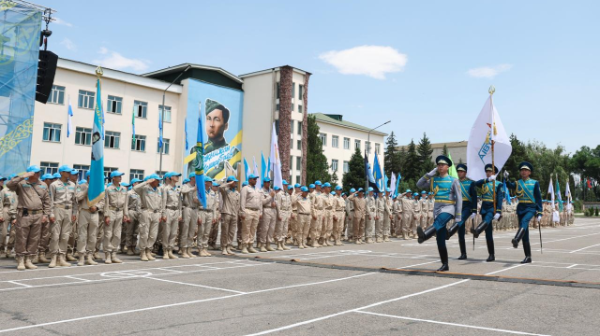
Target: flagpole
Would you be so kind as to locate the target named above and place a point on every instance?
(65, 144)
(491, 91)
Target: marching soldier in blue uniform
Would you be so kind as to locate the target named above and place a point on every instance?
(488, 213)
(530, 205)
(469, 208)
(447, 206)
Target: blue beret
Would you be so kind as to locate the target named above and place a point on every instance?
(304, 189)
(318, 183)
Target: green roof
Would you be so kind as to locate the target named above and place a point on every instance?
(337, 119)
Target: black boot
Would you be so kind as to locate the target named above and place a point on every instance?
(527, 249)
(452, 230)
(518, 237)
(424, 235)
(463, 250)
(490, 246)
(480, 228)
(444, 257)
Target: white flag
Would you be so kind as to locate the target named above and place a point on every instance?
(487, 127)
(275, 160)
(256, 173)
(551, 192)
(568, 191)
(393, 184)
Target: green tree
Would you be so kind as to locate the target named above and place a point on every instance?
(355, 177)
(391, 156)
(317, 167)
(445, 150)
(424, 151)
(412, 163)
(517, 156)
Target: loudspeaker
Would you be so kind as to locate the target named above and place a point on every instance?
(45, 75)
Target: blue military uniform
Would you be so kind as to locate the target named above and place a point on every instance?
(469, 206)
(447, 206)
(530, 205)
(487, 212)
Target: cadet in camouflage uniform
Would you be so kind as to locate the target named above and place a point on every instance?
(64, 212)
(150, 216)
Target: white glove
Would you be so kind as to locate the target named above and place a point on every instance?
(497, 216)
(492, 178)
(506, 174)
(432, 172)
(473, 215)
(539, 219)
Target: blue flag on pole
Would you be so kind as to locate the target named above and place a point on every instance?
(186, 141)
(377, 174)
(397, 185)
(160, 130)
(246, 169)
(199, 161)
(369, 172)
(69, 121)
(96, 185)
(263, 167)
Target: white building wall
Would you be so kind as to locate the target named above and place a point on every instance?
(124, 159)
(344, 155)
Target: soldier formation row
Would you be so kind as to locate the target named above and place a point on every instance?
(50, 216)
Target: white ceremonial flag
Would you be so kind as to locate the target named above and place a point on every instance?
(487, 127)
(568, 191)
(551, 192)
(393, 185)
(275, 161)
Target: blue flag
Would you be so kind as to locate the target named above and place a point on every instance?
(397, 185)
(160, 130)
(69, 121)
(186, 139)
(263, 167)
(199, 161)
(96, 188)
(245, 169)
(506, 193)
(369, 173)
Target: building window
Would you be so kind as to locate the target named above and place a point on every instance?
(335, 141)
(357, 144)
(323, 138)
(165, 148)
(277, 90)
(140, 108)
(346, 143)
(57, 95)
(83, 136)
(167, 112)
(82, 169)
(277, 107)
(298, 163)
(52, 132)
(291, 144)
(368, 147)
(377, 148)
(136, 173)
(298, 179)
(139, 144)
(49, 167)
(299, 127)
(277, 126)
(114, 104)
(292, 127)
(299, 144)
(300, 91)
(86, 99)
(108, 170)
(346, 167)
(291, 162)
(300, 108)
(293, 89)
(112, 139)
(334, 165)
(292, 108)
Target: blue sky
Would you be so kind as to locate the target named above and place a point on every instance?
(425, 65)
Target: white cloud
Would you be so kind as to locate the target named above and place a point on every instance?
(372, 61)
(488, 72)
(61, 22)
(68, 44)
(114, 60)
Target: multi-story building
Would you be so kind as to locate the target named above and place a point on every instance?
(278, 95)
(341, 138)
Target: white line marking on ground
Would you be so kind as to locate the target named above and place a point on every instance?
(18, 283)
(572, 265)
(371, 305)
(450, 324)
(176, 304)
(76, 278)
(196, 285)
(587, 247)
(558, 240)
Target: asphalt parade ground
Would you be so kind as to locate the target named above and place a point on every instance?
(370, 289)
